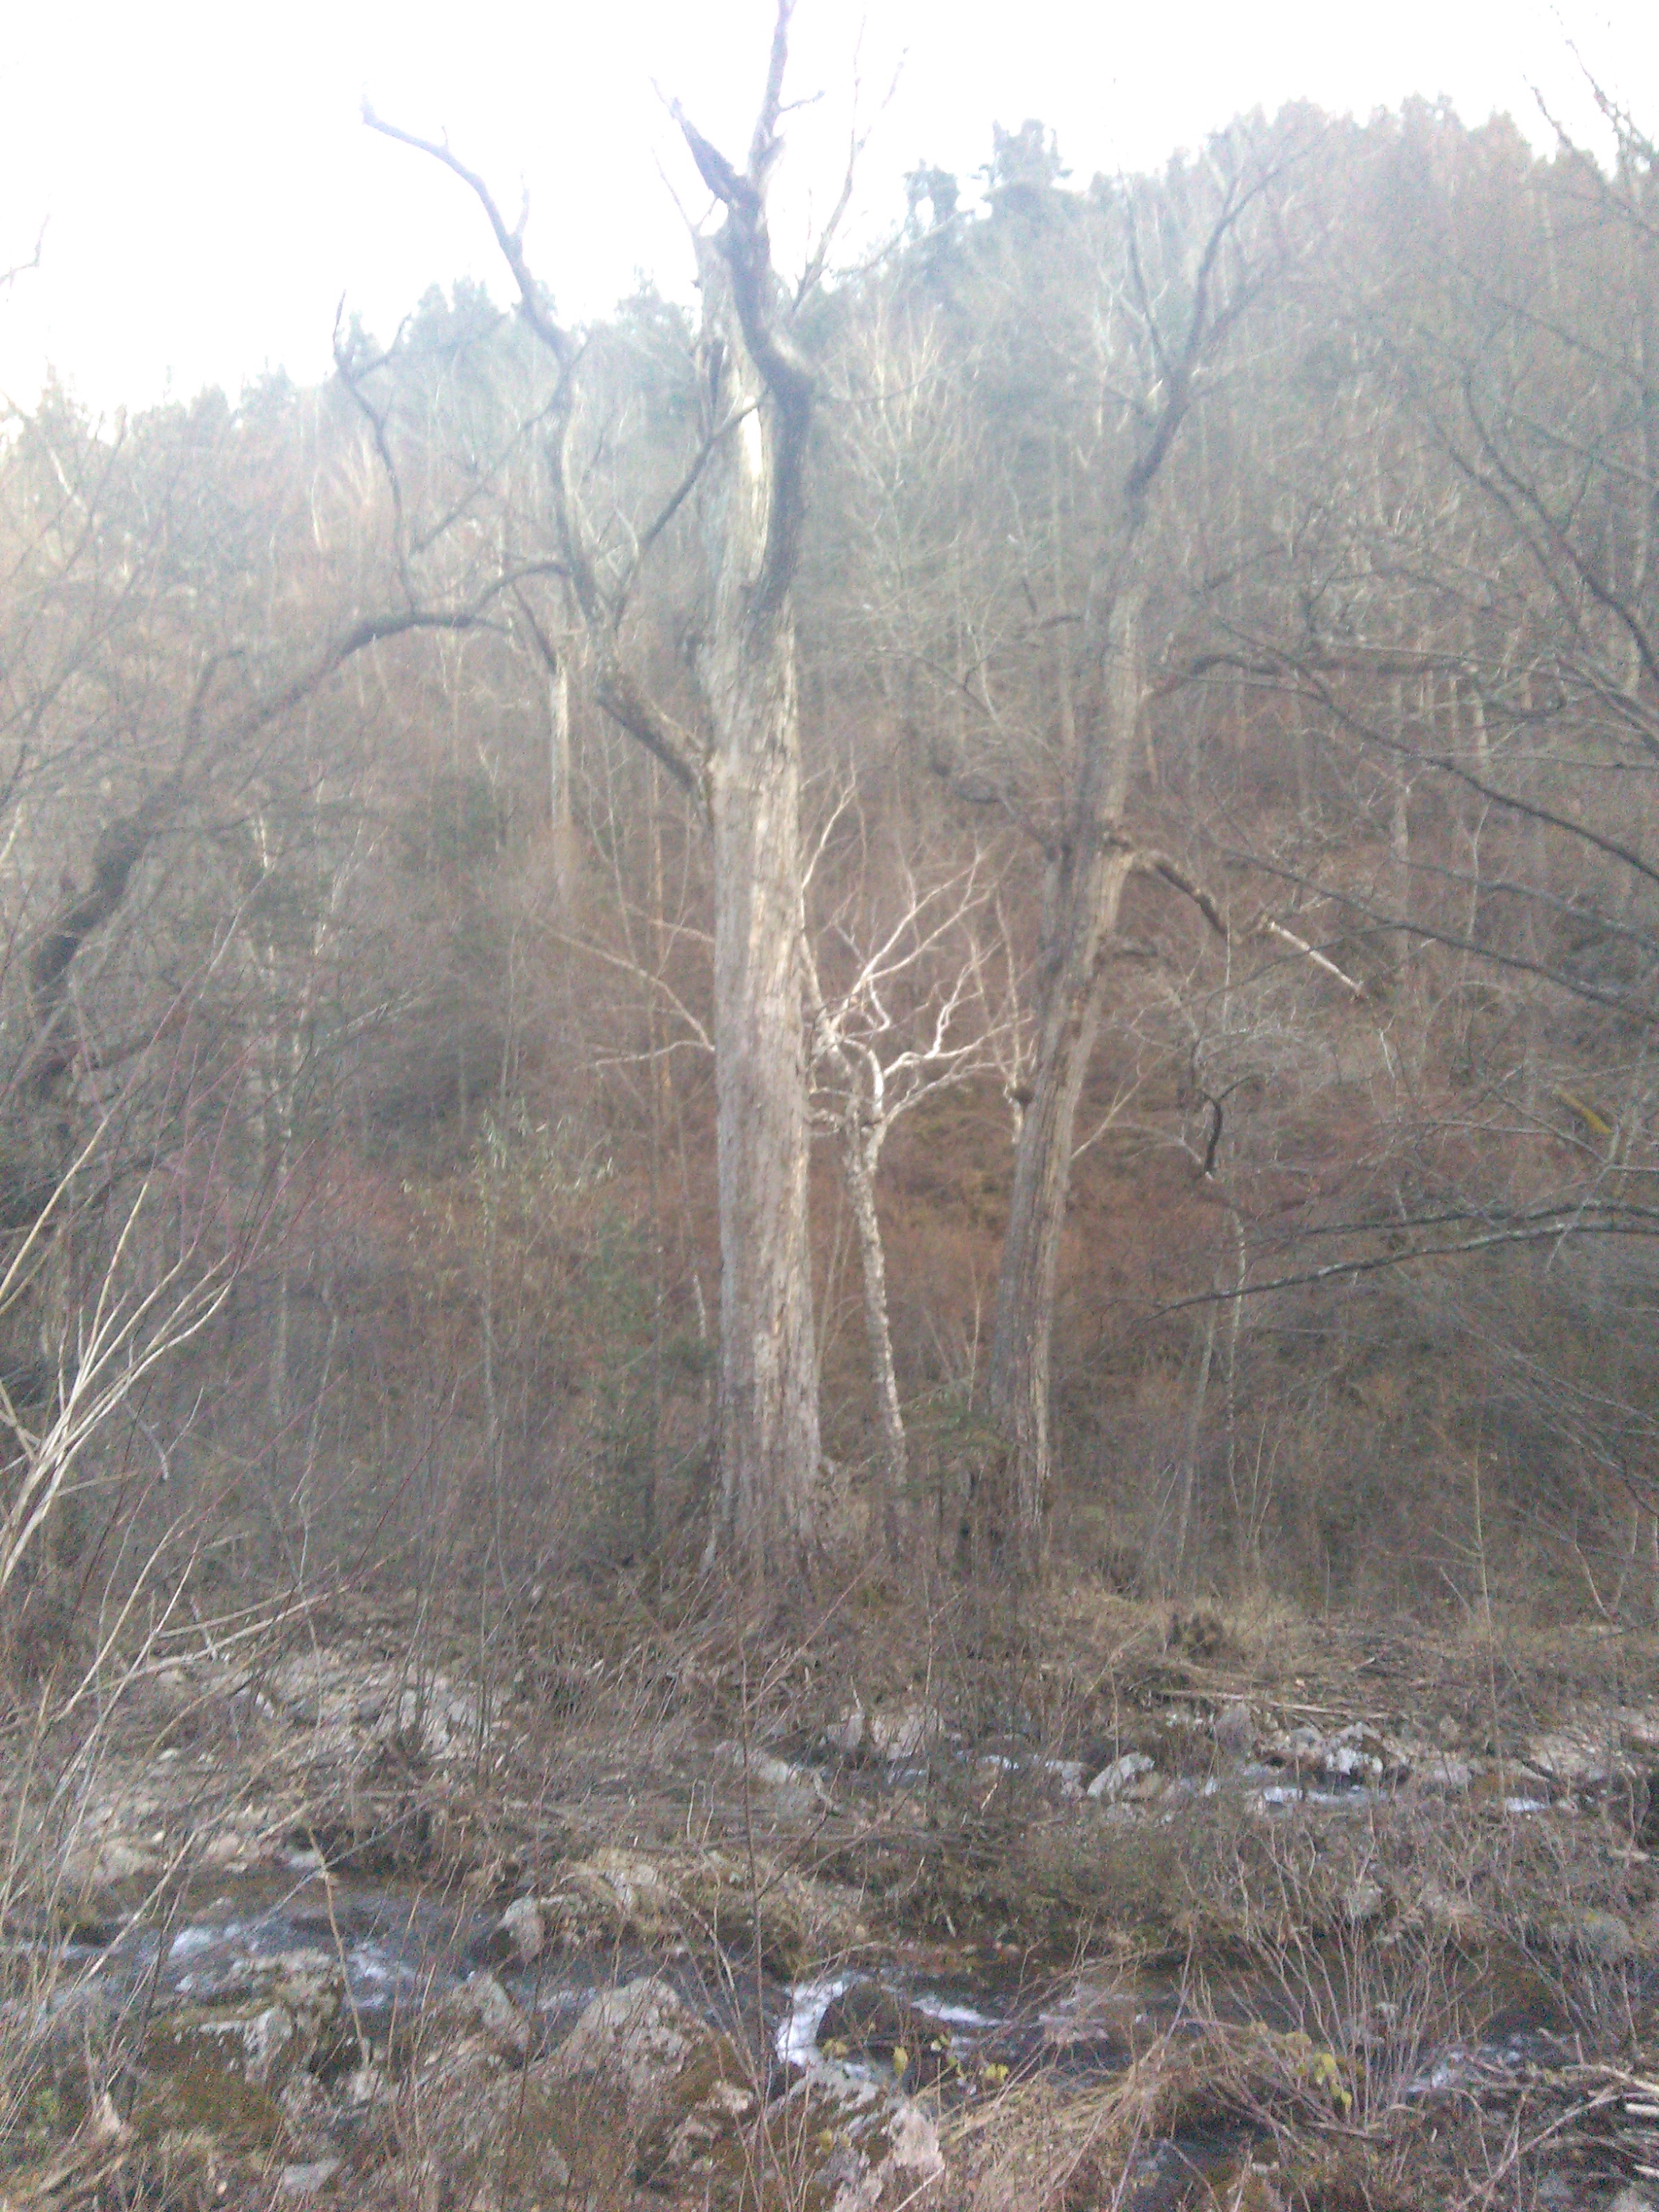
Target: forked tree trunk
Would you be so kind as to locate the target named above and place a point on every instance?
(769, 1404)
(745, 771)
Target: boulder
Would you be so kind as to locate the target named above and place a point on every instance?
(1113, 1780)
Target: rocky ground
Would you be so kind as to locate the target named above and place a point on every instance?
(1136, 1911)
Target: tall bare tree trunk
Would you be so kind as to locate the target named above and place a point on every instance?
(744, 771)
(1094, 867)
(1093, 860)
(747, 668)
(769, 1413)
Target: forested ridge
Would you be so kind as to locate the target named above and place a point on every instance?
(1218, 615)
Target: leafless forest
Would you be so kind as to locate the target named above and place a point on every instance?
(955, 929)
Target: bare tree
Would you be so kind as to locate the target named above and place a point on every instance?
(1092, 856)
(742, 769)
(910, 1011)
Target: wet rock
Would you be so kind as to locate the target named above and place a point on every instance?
(1113, 1782)
(522, 1923)
(1104, 2014)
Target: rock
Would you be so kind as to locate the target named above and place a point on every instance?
(1598, 1939)
(1457, 1920)
(1362, 1903)
(902, 1731)
(1571, 1757)
(269, 2019)
(1112, 1781)
(846, 1735)
(482, 2000)
(1234, 1729)
(1632, 2200)
(258, 2046)
(763, 1767)
(714, 1893)
(1065, 1778)
(1645, 1808)
(639, 2037)
(306, 2180)
(521, 1925)
(678, 2098)
(1439, 1771)
(625, 1888)
(194, 2097)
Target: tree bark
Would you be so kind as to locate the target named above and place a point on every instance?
(746, 665)
(1094, 867)
(860, 1152)
(769, 1414)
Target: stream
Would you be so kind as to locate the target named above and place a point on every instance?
(402, 1946)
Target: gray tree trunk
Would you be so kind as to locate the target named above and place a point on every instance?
(1094, 867)
(746, 665)
(769, 1414)
(860, 1151)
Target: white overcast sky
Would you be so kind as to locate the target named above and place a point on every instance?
(209, 192)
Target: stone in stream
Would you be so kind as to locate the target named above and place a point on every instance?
(518, 1938)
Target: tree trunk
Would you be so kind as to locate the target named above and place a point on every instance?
(750, 513)
(768, 1420)
(1093, 869)
(859, 1156)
